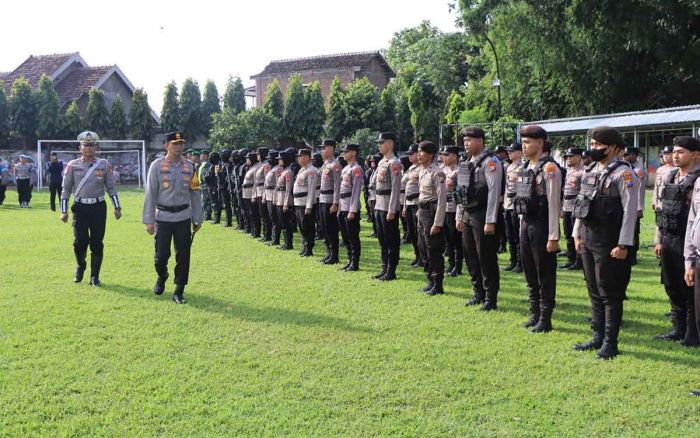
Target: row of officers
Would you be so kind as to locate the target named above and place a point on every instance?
(273, 193)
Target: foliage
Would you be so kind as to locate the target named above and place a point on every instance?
(315, 114)
(295, 110)
(362, 106)
(191, 110)
(117, 119)
(170, 114)
(251, 128)
(3, 115)
(274, 100)
(97, 116)
(22, 111)
(71, 122)
(210, 105)
(48, 120)
(367, 139)
(140, 118)
(234, 95)
(335, 128)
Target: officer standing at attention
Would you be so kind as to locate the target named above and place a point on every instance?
(87, 178)
(25, 178)
(269, 196)
(54, 168)
(260, 175)
(171, 206)
(480, 182)
(305, 201)
(692, 252)
(512, 221)
(372, 189)
(606, 212)
(388, 206)
(432, 205)
(672, 218)
(328, 201)
(249, 194)
(410, 203)
(666, 159)
(572, 187)
(285, 197)
(453, 237)
(538, 202)
(632, 156)
(202, 171)
(351, 182)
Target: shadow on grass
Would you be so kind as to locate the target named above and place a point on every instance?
(245, 312)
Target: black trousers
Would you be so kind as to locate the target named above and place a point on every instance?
(372, 214)
(481, 255)
(412, 228)
(389, 239)
(512, 228)
(24, 190)
(540, 266)
(274, 221)
(306, 223)
(696, 296)
(453, 242)
(3, 189)
(89, 222)
(54, 191)
(350, 229)
(265, 218)
(431, 247)
(673, 268)
(225, 202)
(245, 209)
(329, 227)
(287, 221)
(635, 248)
(180, 235)
(254, 215)
(241, 214)
(568, 225)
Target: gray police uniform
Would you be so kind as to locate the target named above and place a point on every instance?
(285, 198)
(692, 248)
(572, 187)
(432, 205)
(173, 204)
(388, 194)
(329, 194)
(410, 205)
(269, 199)
(351, 180)
(25, 178)
(249, 199)
(453, 237)
(305, 199)
(266, 220)
(641, 174)
(512, 221)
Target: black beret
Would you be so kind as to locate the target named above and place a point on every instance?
(386, 136)
(631, 150)
(515, 147)
(263, 150)
(412, 149)
(175, 136)
(533, 131)
(450, 150)
(607, 136)
(687, 142)
(573, 151)
(243, 152)
(252, 155)
(328, 142)
(351, 147)
(428, 147)
(474, 132)
(304, 151)
(226, 154)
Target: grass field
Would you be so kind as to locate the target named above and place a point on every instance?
(273, 344)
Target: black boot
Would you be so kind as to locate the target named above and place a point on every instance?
(513, 258)
(217, 218)
(597, 325)
(333, 258)
(383, 271)
(577, 265)
(159, 287)
(178, 296)
(390, 274)
(288, 241)
(95, 266)
(544, 324)
(477, 299)
(437, 288)
(80, 269)
(534, 314)
(491, 302)
(678, 320)
(430, 285)
(691, 330)
(519, 264)
(613, 318)
(328, 254)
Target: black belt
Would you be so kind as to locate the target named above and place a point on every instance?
(412, 196)
(346, 195)
(173, 209)
(384, 192)
(259, 184)
(327, 192)
(270, 188)
(568, 197)
(449, 198)
(403, 191)
(300, 195)
(427, 205)
(247, 186)
(510, 195)
(281, 189)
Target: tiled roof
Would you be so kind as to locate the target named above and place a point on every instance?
(325, 62)
(34, 66)
(79, 82)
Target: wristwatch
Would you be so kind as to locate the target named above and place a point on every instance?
(623, 247)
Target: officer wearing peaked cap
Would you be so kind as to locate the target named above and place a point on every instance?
(305, 200)
(87, 178)
(329, 198)
(388, 206)
(351, 181)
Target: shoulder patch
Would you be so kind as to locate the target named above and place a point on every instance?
(550, 170)
(492, 165)
(395, 168)
(627, 178)
(357, 172)
(337, 167)
(640, 173)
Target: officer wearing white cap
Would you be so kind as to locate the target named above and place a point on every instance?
(351, 180)
(171, 206)
(87, 178)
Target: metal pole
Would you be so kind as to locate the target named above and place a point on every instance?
(498, 72)
(143, 160)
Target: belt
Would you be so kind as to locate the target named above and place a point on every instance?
(22, 179)
(412, 196)
(384, 192)
(346, 195)
(247, 186)
(281, 189)
(512, 195)
(327, 192)
(269, 187)
(173, 208)
(88, 201)
(259, 184)
(697, 252)
(568, 197)
(449, 197)
(403, 191)
(300, 195)
(427, 205)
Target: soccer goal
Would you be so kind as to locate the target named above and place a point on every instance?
(129, 165)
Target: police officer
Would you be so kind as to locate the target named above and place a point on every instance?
(231, 178)
(240, 173)
(260, 175)
(203, 170)
(249, 194)
(317, 162)
(481, 181)
(224, 191)
(211, 183)
(572, 187)
(87, 178)
(666, 159)
(410, 203)
(305, 200)
(329, 198)
(54, 169)
(692, 244)
(388, 206)
(631, 154)
(538, 202)
(351, 181)
(25, 178)
(453, 237)
(285, 197)
(171, 206)
(372, 189)
(606, 212)
(586, 158)
(675, 203)
(269, 197)
(432, 205)
(4, 179)
(512, 221)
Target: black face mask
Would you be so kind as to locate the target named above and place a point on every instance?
(598, 154)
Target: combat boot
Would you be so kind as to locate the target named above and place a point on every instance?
(534, 314)
(513, 258)
(178, 295)
(491, 302)
(477, 299)
(159, 287)
(678, 320)
(613, 319)
(95, 266)
(544, 324)
(437, 288)
(430, 284)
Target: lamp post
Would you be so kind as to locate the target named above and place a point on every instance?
(496, 82)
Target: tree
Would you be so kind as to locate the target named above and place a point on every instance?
(336, 111)
(48, 122)
(234, 96)
(191, 109)
(170, 114)
(315, 114)
(140, 118)
(22, 111)
(274, 100)
(210, 105)
(117, 119)
(96, 116)
(71, 122)
(247, 129)
(362, 106)
(3, 115)
(295, 111)
(367, 139)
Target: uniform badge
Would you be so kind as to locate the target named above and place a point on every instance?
(640, 174)
(99, 174)
(550, 169)
(492, 166)
(627, 178)
(166, 184)
(358, 172)
(395, 169)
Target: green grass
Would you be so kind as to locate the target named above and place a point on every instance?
(272, 344)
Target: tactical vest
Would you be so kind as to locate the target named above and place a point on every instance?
(531, 197)
(474, 194)
(675, 204)
(592, 206)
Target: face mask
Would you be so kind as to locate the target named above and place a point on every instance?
(598, 154)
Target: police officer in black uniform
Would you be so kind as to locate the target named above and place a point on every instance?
(223, 188)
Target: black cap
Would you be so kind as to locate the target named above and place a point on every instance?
(243, 153)
(386, 136)
(500, 149)
(687, 142)
(226, 154)
(376, 158)
(175, 137)
(252, 155)
(428, 147)
(262, 151)
(351, 147)
(273, 154)
(585, 154)
(533, 131)
(515, 147)
(631, 150)
(214, 158)
(607, 135)
(573, 151)
(473, 132)
(328, 142)
(450, 150)
(667, 150)
(304, 151)
(412, 149)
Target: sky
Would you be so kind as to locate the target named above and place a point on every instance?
(155, 42)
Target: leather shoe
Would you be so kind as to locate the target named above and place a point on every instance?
(159, 287)
(179, 299)
(94, 281)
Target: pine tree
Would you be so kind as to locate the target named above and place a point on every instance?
(141, 121)
(22, 112)
(71, 122)
(191, 109)
(48, 122)
(170, 114)
(117, 119)
(336, 111)
(274, 100)
(210, 105)
(295, 111)
(315, 114)
(96, 116)
(234, 96)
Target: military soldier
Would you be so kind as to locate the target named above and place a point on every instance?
(269, 197)
(453, 237)
(329, 200)
(249, 194)
(605, 212)
(666, 159)
(675, 202)
(410, 203)
(305, 200)
(87, 178)
(388, 206)
(349, 206)
(512, 221)
(632, 156)
(481, 181)
(572, 187)
(260, 175)
(203, 170)
(432, 204)
(25, 178)
(538, 202)
(285, 197)
(171, 206)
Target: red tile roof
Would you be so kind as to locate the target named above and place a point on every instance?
(325, 62)
(79, 82)
(34, 66)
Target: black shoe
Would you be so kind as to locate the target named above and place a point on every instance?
(542, 326)
(509, 268)
(415, 263)
(331, 261)
(534, 317)
(345, 268)
(387, 277)
(94, 281)
(179, 299)
(308, 253)
(475, 301)
(380, 275)
(518, 269)
(79, 273)
(673, 335)
(488, 306)
(352, 268)
(595, 343)
(159, 287)
(575, 266)
(566, 265)
(695, 393)
(607, 351)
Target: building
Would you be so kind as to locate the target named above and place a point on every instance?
(346, 66)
